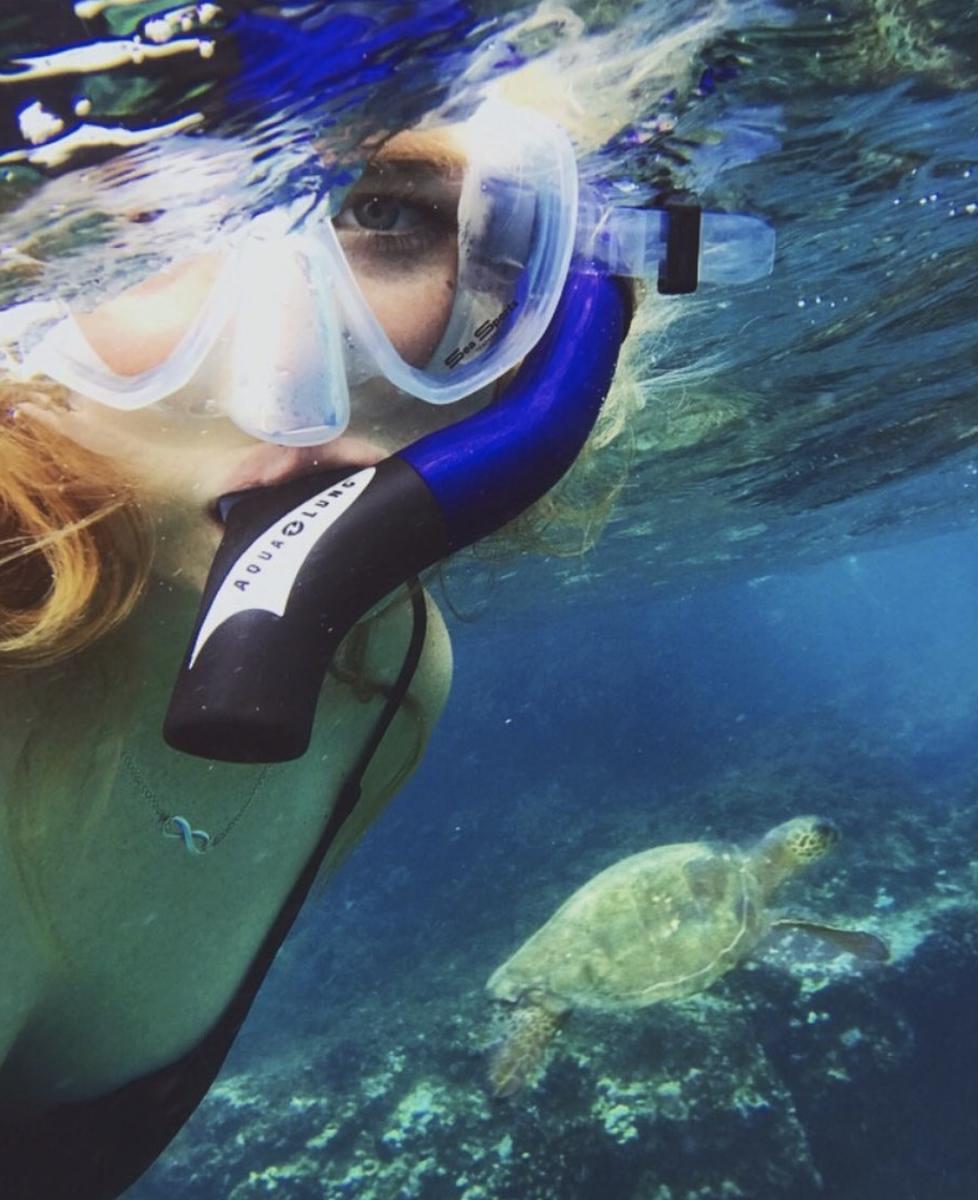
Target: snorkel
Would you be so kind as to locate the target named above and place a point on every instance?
(302, 562)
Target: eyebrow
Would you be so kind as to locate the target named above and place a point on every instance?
(422, 151)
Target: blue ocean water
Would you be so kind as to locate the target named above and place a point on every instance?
(577, 735)
(846, 689)
(779, 620)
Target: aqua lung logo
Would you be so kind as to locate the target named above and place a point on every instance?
(263, 577)
(480, 336)
(272, 547)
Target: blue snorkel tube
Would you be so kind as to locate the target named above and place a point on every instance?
(327, 547)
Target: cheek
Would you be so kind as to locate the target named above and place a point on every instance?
(389, 420)
(172, 464)
(413, 307)
(138, 329)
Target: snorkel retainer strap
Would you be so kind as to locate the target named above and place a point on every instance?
(301, 563)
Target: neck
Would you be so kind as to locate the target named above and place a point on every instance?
(771, 864)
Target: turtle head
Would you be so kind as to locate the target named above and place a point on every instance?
(518, 1057)
(790, 846)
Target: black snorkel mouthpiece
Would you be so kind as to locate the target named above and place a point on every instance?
(302, 562)
(298, 566)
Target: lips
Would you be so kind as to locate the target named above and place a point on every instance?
(267, 465)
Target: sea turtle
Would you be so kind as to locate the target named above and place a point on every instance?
(658, 925)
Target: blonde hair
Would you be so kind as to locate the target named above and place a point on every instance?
(75, 548)
(570, 518)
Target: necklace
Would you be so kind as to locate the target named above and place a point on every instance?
(172, 825)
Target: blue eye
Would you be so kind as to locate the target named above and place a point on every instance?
(381, 230)
(381, 214)
(399, 217)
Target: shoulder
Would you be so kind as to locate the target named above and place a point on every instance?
(434, 676)
(388, 635)
(28, 777)
(376, 651)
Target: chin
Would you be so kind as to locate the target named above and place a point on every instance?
(266, 465)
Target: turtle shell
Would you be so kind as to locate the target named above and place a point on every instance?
(655, 926)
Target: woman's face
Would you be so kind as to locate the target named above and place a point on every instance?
(398, 230)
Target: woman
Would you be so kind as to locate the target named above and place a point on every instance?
(130, 962)
(145, 886)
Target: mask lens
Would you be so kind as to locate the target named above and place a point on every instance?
(495, 253)
(399, 231)
(458, 240)
(145, 343)
(439, 272)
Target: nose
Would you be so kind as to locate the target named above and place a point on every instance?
(287, 366)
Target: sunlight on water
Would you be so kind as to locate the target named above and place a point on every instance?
(851, 132)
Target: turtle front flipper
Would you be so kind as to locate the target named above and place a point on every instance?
(857, 942)
(517, 1059)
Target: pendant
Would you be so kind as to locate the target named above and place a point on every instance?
(196, 841)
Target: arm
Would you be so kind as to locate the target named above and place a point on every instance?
(22, 964)
(403, 747)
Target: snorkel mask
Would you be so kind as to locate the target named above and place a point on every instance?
(295, 325)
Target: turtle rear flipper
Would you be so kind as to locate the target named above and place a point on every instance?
(857, 942)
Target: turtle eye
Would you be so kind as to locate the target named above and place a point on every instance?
(826, 832)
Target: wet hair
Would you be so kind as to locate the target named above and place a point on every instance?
(570, 518)
(75, 548)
